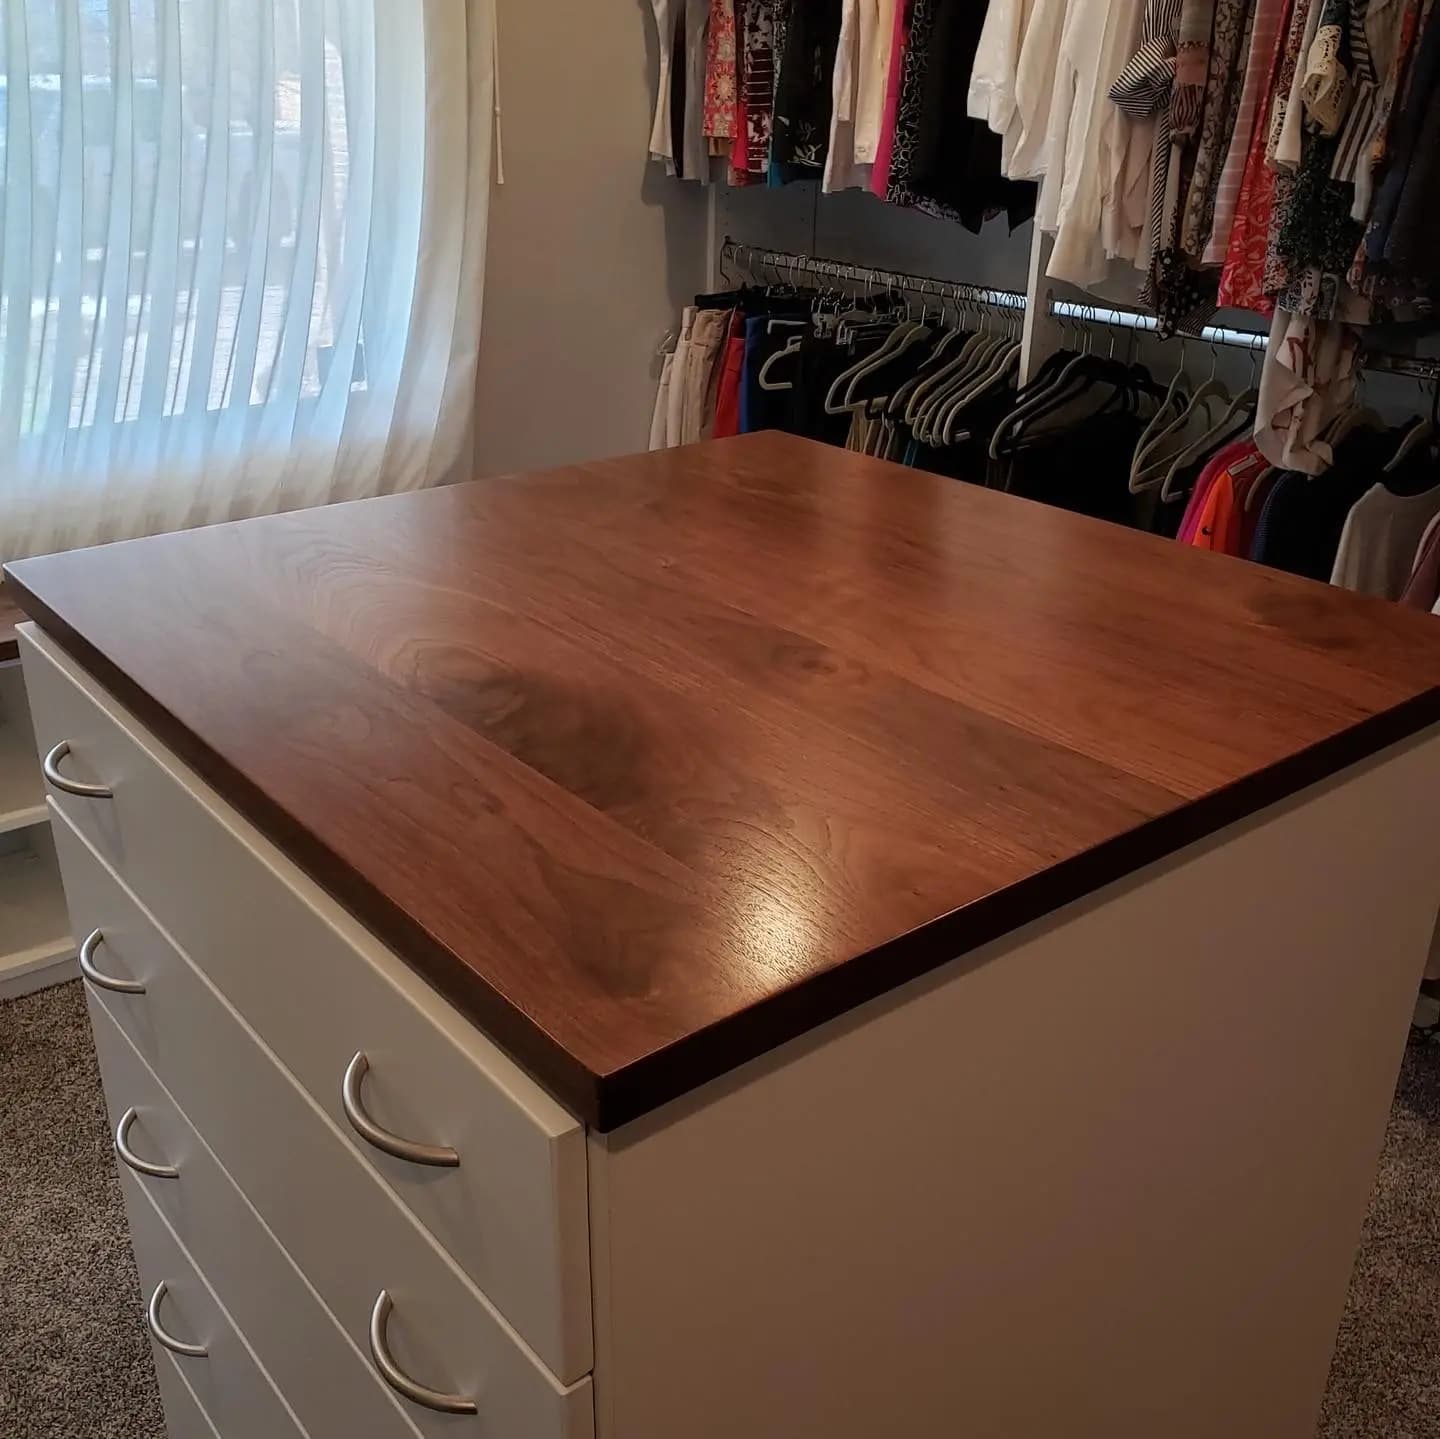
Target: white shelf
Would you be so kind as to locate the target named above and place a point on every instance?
(35, 944)
(22, 792)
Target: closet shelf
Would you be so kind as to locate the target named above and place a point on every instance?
(34, 927)
(22, 791)
(10, 616)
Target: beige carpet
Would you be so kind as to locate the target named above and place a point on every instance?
(75, 1363)
(74, 1356)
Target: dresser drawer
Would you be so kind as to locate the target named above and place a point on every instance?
(184, 1418)
(182, 1310)
(326, 1380)
(343, 1227)
(320, 989)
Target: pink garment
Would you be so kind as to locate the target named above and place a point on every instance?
(880, 173)
(1221, 461)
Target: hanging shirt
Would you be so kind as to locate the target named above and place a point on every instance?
(943, 161)
(1242, 282)
(876, 43)
(842, 170)
(1308, 378)
(804, 91)
(1142, 91)
(1035, 91)
(1084, 134)
(994, 75)
(1391, 41)
(1225, 459)
(1288, 125)
(880, 175)
(1300, 524)
(1381, 536)
(758, 82)
(668, 15)
(1264, 30)
(1229, 42)
(721, 74)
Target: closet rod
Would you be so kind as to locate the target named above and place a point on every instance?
(748, 257)
(1133, 320)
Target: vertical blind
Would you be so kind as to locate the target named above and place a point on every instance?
(241, 252)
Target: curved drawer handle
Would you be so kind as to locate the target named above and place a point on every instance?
(103, 981)
(140, 1166)
(169, 1341)
(397, 1378)
(51, 767)
(440, 1155)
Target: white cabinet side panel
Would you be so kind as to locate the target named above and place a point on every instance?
(1103, 1180)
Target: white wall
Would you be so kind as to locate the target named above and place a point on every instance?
(592, 250)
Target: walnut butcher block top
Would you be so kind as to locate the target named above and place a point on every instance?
(653, 763)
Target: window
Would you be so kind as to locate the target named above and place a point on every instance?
(232, 233)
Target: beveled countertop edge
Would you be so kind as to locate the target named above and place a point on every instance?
(607, 1101)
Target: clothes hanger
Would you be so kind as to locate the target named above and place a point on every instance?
(792, 347)
(986, 364)
(920, 399)
(950, 336)
(971, 365)
(1176, 399)
(1152, 466)
(905, 337)
(1079, 378)
(1046, 395)
(1241, 409)
(1414, 437)
(1039, 383)
(1212, 443)
(1000, 364)
(1047, 381)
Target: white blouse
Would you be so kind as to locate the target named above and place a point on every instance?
(876, 43)
(1087, 144)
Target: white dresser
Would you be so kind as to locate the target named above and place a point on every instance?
(841, 955)
(354, 1216)
(351, 1212)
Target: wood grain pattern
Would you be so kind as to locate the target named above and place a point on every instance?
(651, 764)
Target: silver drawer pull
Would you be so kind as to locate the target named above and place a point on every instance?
(103, 981)
(169, 1341)
(439, 1155)
(396, 1377)
(51, 767)
(140, 1166)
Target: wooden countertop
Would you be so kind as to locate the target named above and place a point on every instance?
(653, 763)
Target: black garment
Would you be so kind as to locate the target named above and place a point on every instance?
(969, 459)
(804, 94)
(678, 74)
(955, 160)
(1300, 526)
(768, 409)
(1084, 468)
(822, 362)
(1400, 244)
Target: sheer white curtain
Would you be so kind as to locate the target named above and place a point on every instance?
(241, 255)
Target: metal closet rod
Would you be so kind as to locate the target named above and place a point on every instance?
(1412, 366)
(749, 256)
(1133, 320)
